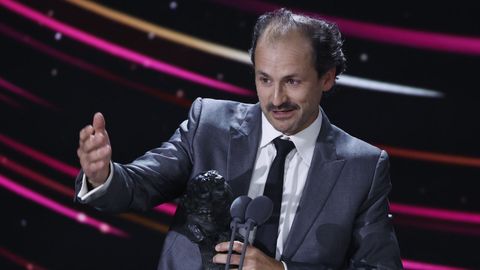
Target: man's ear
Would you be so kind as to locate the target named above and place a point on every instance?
(328, 79)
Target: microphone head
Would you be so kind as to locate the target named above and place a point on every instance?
(238, 207)
(259, 210)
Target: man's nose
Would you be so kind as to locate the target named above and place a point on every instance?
(279, 96)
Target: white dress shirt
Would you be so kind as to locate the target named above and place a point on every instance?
(297, 164)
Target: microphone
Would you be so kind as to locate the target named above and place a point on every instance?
(237, 211)
(258, 212)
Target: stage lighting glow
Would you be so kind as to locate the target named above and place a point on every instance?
(41, 157)
(435, 213)
(25, 94)
(122, 52)
(432, 156)
(69, 192)
(10, 102)
(18, 260)
(166, 208)
(240, 56)
(84, 65)
(379, 86)
(57, 207)
(27, 172)
(415, 265)
(378, 33)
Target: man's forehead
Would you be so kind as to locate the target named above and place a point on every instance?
(286, 54)
(292, 40)
(274, 34)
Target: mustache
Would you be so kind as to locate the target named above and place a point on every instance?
(287, 106)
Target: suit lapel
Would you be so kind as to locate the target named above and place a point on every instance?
(322, 176)
(244, 140)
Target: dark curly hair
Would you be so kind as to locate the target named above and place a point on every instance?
(325, 37)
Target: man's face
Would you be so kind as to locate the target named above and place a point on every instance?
(288, 86)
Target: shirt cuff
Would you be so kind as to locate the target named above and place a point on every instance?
(84, 193)
(284, 265)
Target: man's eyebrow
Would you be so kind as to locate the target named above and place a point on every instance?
(259, 72)
(289, 76)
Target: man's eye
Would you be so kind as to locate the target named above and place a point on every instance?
(264, 80)
(293, 82)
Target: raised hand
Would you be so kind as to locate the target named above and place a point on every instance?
(94, 151)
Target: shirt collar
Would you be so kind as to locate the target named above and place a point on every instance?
(304, 140)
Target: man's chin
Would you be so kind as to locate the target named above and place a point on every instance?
(282, 127)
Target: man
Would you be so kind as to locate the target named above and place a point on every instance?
(333, 208)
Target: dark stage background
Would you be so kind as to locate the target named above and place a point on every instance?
(61, 62)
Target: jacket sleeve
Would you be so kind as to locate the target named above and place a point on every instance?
(374, 244)
(158, 176)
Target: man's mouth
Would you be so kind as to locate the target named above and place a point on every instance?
(282, 114)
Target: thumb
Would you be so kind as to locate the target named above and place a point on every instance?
(98, 122)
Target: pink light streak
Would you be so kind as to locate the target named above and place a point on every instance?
(408, 264)
(41, 157)
(26, 172)
(414, 265)
(432, 156)
(79, 63)
(167, 208)
(403, 209)
(170, 208)
(434, 225)
(25, 94)
(120, 51)
(56, 207)
(379, 33)
(435, 213)
(18, 260)
(10, 102)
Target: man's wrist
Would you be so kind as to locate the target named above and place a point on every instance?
(92, 185)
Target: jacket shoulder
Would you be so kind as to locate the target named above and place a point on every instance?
(220, 113)
(350, 147)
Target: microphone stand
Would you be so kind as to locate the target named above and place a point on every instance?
(256, 213)
(230, 247)
(237, 211)
(249, 224)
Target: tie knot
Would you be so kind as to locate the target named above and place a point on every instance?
(283, 146)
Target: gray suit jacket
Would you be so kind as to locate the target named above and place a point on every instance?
(342, 219)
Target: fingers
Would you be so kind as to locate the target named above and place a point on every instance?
(85, 133)
(99, 122)
(94, 136)
(222, 257)
(94, 142)
(95, 161)
(223, 247)
(94, 150)
(101, 153)
(254, 258)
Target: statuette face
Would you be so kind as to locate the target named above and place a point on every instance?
(207, 207)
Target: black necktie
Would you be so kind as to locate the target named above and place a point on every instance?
(267, 234)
